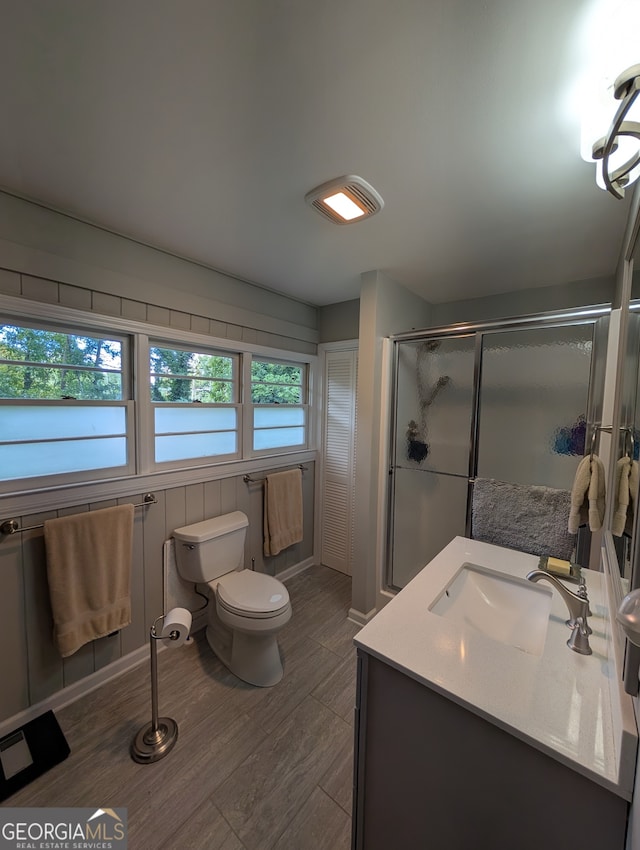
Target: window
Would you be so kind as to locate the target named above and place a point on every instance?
(278, 395)
(63, 403)
(195, 400)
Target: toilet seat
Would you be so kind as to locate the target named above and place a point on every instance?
(254, 595)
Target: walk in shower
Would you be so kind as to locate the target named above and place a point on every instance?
(509, 401)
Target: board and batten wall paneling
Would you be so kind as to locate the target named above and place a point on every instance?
(31, 667)
(14, 672)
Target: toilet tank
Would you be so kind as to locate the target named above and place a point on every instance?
(210, 549)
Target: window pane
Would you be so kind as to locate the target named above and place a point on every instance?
(30, 459)
(273, 438)
(276, 383)
(46, 422)
(187, 446)
(37, 363)
(265, 417)
(190, 390)
(169, 420)
(178, 375)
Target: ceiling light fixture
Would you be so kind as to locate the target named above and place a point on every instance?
(345, 200)
(617, 154)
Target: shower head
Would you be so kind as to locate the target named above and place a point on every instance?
(431, 345)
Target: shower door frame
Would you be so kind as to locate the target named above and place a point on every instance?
(562, 318)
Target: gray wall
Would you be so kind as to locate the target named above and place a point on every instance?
(337, 322)
(526, 302)
(120, 277)
(31, 668)
(51, 258)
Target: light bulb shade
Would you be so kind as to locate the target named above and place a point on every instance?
(618, 153)
(345, 200)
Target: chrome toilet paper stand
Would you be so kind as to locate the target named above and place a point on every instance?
(156, 739)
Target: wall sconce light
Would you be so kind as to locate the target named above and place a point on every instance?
(618, 153)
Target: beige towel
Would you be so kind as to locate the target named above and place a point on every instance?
(622, 492)
(626, 496)
(633, 495)
(282, 510)
(588, 495)
(89, 574)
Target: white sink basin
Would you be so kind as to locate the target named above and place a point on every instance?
(502, 607)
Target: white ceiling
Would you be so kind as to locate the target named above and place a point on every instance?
(199, 125)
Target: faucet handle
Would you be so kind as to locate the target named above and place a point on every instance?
(582, 593)
(579, 640)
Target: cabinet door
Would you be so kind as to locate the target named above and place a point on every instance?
(431, 774)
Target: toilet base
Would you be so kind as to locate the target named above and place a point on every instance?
(253, 658)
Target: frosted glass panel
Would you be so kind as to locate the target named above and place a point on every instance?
(265, 417)
(31, 459)
(171, 420)
(46, 422)
(186, 446)
(533, 404)
(429, 511)
(434, 404)
(273, 438)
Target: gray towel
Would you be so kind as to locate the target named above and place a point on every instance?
(524, 517)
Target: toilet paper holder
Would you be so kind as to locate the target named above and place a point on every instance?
(156, 739)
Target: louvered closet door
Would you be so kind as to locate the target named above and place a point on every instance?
(339, 440)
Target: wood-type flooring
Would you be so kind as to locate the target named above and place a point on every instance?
(253, 768)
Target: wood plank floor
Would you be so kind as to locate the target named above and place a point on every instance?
(253, 768)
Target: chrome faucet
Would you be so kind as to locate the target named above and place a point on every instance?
(578, 605)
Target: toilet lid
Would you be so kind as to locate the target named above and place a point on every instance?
(252, 593)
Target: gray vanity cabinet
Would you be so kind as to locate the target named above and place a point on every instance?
(432, 775)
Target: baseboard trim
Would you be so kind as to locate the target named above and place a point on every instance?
(79, 689)
(295, 570)
(95, 680)
(359, 618)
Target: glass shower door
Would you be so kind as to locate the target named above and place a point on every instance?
(430, 464)
(533, 404)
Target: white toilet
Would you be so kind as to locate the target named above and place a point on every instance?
(250, 608)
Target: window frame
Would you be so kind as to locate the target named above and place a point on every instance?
(251, 407)
(26, 497)
(235, 405)
(71, 477)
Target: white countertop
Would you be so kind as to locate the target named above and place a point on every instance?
(560, 702)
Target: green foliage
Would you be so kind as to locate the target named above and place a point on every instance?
(33, 361)
(275, 383)
(188, 376)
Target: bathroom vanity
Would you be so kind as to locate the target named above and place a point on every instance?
(481, 736)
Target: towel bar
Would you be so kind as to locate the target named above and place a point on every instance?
(628, 436)
(249, 480)
(12, 526)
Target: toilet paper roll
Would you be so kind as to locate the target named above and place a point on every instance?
(176, 627)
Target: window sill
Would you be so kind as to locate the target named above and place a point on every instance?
(69, 495)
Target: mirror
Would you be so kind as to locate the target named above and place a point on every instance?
(622, 534)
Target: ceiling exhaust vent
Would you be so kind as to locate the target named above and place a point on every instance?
(345, 200)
